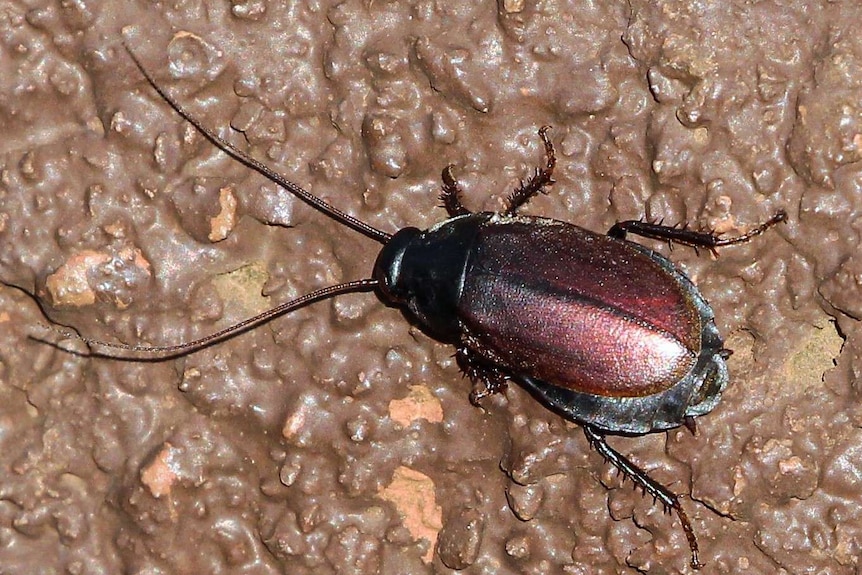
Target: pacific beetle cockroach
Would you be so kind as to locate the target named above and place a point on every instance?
(601, 330)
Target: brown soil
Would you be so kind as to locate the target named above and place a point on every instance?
(339, 439)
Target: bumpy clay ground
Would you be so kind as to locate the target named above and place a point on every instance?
(339, 439)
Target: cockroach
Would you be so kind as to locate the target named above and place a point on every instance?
(603, 331)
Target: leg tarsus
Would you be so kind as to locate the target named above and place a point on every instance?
(487, 389)
(535, 183)
(648, 485)
(779, 216)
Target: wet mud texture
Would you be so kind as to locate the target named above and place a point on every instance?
(340, 439)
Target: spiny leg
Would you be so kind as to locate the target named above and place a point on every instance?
(451, 195)
(669, 500)
(535, 183)
(685, 236)
(487, 380)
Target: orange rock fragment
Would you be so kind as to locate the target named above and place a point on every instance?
(68, 286)
(159, 476)
(413, 495)
(420, 403)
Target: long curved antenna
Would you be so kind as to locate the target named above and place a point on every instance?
(247, 160)
(163, 352)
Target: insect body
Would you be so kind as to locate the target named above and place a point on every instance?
(602, 330)
(616, 336)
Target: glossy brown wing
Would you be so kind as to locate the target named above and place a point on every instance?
(577, 309)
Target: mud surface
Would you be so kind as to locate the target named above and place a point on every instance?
(340, 439)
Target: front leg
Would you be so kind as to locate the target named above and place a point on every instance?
(451, 195)
(536, 183)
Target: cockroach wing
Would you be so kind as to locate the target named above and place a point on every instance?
(578, 310)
